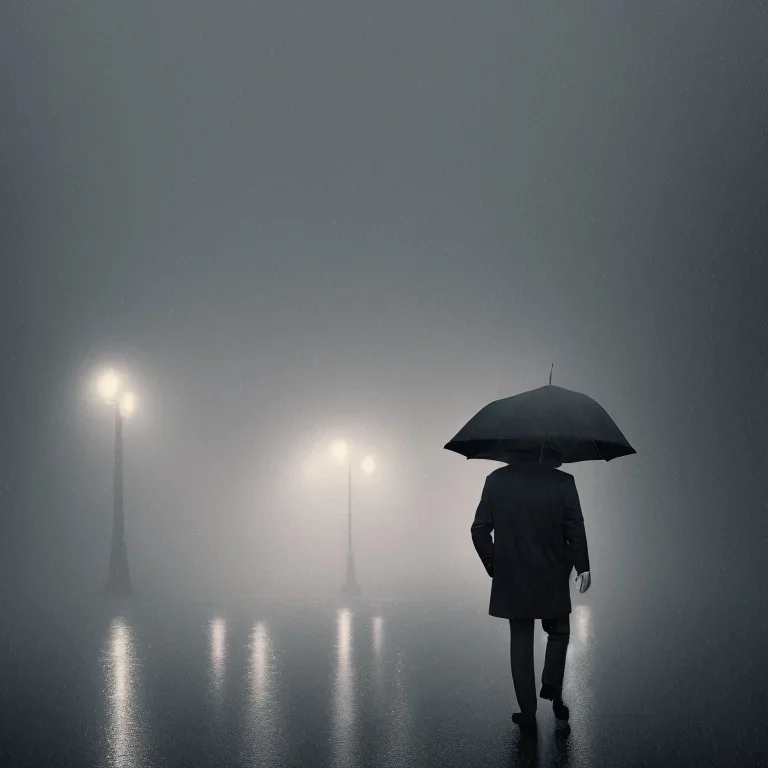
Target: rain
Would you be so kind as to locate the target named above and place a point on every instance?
(262, 262)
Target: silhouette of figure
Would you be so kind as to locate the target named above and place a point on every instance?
(533, 509)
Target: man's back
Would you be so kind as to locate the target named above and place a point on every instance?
(539, 536)
(529, 517)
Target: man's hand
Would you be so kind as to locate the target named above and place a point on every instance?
(489, 567)
(585, 580)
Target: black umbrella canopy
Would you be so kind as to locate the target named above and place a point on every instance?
(549, 419)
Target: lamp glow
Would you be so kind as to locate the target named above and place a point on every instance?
(367, 465)
(108, 385)
(339, 450)
(127, 404)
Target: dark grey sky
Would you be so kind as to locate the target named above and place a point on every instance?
(298, 219)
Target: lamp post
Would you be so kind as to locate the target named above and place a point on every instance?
(123, 403)
(340, 451)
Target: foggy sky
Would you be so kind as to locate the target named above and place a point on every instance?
(296, 221)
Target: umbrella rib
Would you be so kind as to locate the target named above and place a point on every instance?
(598, 450)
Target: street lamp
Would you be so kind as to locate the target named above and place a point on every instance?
(340, 452)
(123, 403)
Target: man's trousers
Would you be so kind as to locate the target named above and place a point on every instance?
(521, 657)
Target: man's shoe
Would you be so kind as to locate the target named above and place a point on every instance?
(526, 722)
(552, 694)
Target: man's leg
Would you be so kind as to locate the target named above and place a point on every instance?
(521, 657)
(559, 631)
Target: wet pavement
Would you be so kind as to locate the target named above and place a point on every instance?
(374, 684)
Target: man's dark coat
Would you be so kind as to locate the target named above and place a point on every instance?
(539, 537)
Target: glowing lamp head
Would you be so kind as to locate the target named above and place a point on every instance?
(339, 450)
(367, 465)
(108, 386)
(127, 404)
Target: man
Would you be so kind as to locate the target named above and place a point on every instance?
(534, 511)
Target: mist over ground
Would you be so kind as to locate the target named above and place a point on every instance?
(295, 224)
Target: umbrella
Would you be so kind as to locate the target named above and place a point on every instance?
(551, 419)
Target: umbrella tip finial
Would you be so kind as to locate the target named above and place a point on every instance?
(550, 372)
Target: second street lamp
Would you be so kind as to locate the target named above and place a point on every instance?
(340, 451)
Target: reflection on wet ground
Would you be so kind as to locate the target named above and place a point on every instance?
(369, 684)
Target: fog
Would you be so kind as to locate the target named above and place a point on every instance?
(291, 224)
